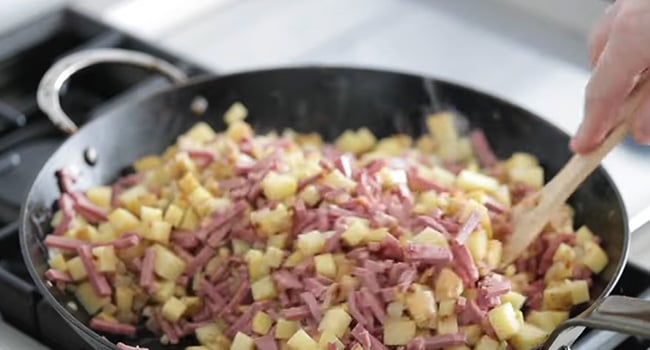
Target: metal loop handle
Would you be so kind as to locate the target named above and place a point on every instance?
(49, 88)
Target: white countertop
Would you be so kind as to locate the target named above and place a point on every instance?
(532, 53)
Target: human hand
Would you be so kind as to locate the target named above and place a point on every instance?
(620, 53)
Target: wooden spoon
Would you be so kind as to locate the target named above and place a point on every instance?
(532, 214)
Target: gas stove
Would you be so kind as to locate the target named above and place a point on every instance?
(27, 138)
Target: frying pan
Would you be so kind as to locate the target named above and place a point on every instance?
(327, 100)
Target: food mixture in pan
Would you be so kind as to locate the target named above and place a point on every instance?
(282, 241)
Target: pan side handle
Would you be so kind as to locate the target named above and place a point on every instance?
(614, 313)
(49, 89)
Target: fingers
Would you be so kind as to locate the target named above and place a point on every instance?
(641, 118)
(612, 79)
(600, 34)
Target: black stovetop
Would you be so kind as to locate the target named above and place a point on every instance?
(27, 138)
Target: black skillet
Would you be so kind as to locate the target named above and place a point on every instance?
(327, 100)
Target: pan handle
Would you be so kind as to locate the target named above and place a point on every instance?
(52, 82)
(614, 313)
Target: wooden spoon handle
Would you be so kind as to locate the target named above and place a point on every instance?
(530, 221)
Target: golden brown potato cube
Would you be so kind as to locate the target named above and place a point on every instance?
(100, 196)
(173, 215)
(261, 323)
(279, 186)
(285, 329)
(257, 264)
(594, 257)
(77, 269)
(164, 291)
(494, 253)
(173, 309)
(487, 343)
(357, 142)
(516, 299)
(470, 180)
(157, 231)
(190, 220)
(57, 262)
(447, 324)
(547, 320)
(477, 243)
(167, 264)
(274, 256)
(302, 341)
(92, 302)
(398, 331)
(473, 333)
(270, 222)
(505, 321)
(106, 258)
(124, 298)
(310, 243)
(325, 265)
(201, 132)
(263, 289)
(236, 112)
(430, 236)
(328, 337)
(335, 320)
(528, 337)
(123, 221)
(149, 214)
(242, 342)
(448, 285)
(239, 130)
(421, 305)
(147, 163)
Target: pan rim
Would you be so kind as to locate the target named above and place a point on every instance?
(81, 327)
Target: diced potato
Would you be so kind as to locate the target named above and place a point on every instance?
(357, 142)
(335, 179)
(584, 235)
(239, 130)
(100, 196)
(442, 176)
(240, 247)
(294, 259)
(516, 299)
(532, 176)
(263, 289)
(106, 258)
(558, 272)
(57, 262)
(132, 198)
(201, 132)
(310, 243)
(257, 264)
(504, 320)
(157, 231)
(302, 341)
(473, 333)
(328, 337)
(149, 214)
(392, 178)
(124, 298)
(579, 291)
(335, 320)
(92, 302)
(427, 202)
(270, 222)
(167, 265)
(477, 243)
(564, 253)
(469, 180)
(547, 320)
(164, 291)
(279, 186)
(528, 337)
(173, 309)
(190, 220)
(325, 265)
(285, 329)
(395, 309)
(502, 195)
(212, 337)
(174, 215)
(278, 241)
(123, 221)
(77, 269)
(494, 253)
(261, 323)
(594, 257)
(147, 163)
(310, 195)
(274, 256)
(242, 342)
(421, 305)
(487, 343)
(430, 236)
(448, 285)
(557, 297)
(398, 331)
(236, 112)
(357, 231)
(447, 324)
(201, 200)
(447, 307)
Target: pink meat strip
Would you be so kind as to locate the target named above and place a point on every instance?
(547, 258)
(437, 342)
(87, 209)
(58, 276)
(66, 204)
(266, 343)
(312, 305)
(375, 306)
(482, 148)
(111, 327)
(200, 260)
(354, 309)
(64, 243)
(237, 298)
(286, 280)
(146, 274)
(368, 278)
(464, 264)
(367, 340)
(490, 289)
(469, 226)
(427, 253)
(296, 313)
(98, 280)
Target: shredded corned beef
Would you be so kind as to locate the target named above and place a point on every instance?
(231, 263)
